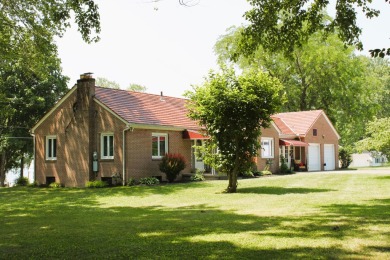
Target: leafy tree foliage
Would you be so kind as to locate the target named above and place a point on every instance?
(44, 18)
(30, 83)
(136, 88)
(320, 75)
(105, 83)
(284, 25)
(380, 69)
(233, 109)
(377, 137)
(30, 72)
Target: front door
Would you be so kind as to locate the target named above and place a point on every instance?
(286, 152)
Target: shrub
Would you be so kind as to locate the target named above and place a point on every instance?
(172, 164)
(34, 184)
(256, 173)
(131, 182)
(345, 157)
(263, 173)
(150, 181)
(247, 174)
(22, 181)
(96, 184)
(55, 185)
(283, 167)
(198, 176)
(116, 179)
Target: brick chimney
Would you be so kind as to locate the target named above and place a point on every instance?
(86, 108)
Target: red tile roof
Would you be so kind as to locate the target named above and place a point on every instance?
(298, 123)
(147, 109)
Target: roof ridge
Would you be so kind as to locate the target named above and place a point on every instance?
(141, 93)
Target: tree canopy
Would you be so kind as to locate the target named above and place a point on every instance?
(30, 83)
(44, 18)
(136, 87)
(377, 137)
(232, 109)
(284, 25)
(106, 83)
(322, 74)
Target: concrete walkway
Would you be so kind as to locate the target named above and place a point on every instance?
(382, 170)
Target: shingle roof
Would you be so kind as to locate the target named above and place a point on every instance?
(147, 109)
(298, 123)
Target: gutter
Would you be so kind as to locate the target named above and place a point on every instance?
(128, 127)
(34, 154)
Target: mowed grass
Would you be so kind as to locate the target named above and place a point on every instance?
(307, 215)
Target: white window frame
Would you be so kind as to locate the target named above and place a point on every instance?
(109, 156)
(49, 148)
(158, 135)
(272, 148)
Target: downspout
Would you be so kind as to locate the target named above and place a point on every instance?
(128, 127)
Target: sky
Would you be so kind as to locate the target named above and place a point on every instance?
(169, 47)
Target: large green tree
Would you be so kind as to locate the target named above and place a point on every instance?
(377, 137)
(30, 74)
(44, 18)
(30, 84)
(233, 109)
(283, 25)
(322, 74)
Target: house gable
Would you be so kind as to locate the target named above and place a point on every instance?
(55, 108)
(300, 123)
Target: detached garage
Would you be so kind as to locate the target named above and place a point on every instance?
(312, 130)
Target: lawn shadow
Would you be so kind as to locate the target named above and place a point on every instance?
(387, 177)
(279, 190)
(198, 231)
(70, 223)
(376, 211)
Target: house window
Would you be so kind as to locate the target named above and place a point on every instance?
(267, 147)
(314, 132)
(107, 143)
(51, 147)
(159, 145)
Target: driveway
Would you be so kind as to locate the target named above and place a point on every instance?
(385, 170)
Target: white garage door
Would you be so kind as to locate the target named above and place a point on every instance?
(314, 161)
(329, 157)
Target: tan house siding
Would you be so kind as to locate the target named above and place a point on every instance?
(139, 152)
(261, 162)
(325, 135)
(71, 130)
(106, 123)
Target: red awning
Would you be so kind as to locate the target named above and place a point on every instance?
(288, 142)
(191, 134)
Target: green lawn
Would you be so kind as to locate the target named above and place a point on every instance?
(307, 215)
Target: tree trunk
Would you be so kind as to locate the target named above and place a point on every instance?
(2, 168)
(21, 166)
(232, 187)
